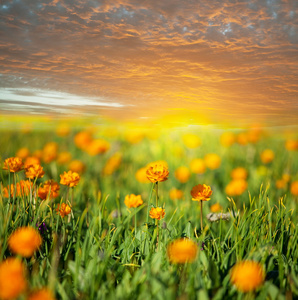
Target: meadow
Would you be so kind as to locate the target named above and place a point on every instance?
(225, 227)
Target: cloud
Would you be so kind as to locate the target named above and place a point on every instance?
(231, 56)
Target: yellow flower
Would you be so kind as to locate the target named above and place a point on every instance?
(50, 189)
(267, 156)
(70, 178)
(134, 136)
(13, 164)
(133, 200)
(191, 140)
(294, 188)
(34, 171)
(42, 294)
(216, 208)
(239, 173)
(178, 151)
(212, 161)
(182, 174)
(157, 173)
(175, 194)
(197, 166)
(12, 279)
(98, 146)
(49, 152)
(227, 139)
(141, 175)
(24, 241)
(77, 166)
(23, 153)
(63, 130)
(64, 157)
(262, 171)
(201, 192)
(63, 210)
(236, 187)
(247, 276)
(157, 213)
(112, 164)
(182, 251)
(286, 177)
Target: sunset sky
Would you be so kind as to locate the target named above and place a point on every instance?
(222, 61)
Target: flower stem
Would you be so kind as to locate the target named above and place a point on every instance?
(156, 191)
(135, 222)
(201, 216)
(67, 193)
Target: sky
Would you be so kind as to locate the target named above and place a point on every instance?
(216, 61)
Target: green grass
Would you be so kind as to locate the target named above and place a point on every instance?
(97, 255)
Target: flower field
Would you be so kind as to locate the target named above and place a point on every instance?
(119, 212)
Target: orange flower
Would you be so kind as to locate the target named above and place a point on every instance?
(32, 160)
(23, 189)
(63, 157)
(24, 241)
(42, 294)
(236, 187)
(12, 278)
(83, 139)
(227, 139)
(212, 161)
(197, 166)
(34, 171)
(23, 153)
(201, 192)
(70, 178)
(239, 173)
(267, 156)
(175, 194)
(242, 138)
(63, 210)
(37, 154)
(157, 173)
(294, 188)
(280, 184)
(77, 166)
(49, 152)
(112, 164)
(292, 145)
(253, 135)
(50, 189)
(182, 251)
(141, 175)
(216, 208)
(247, 276)
(98, 146)
(133, 200)
(157, 213)
(182, 174)
(191, 140)
(13, 164)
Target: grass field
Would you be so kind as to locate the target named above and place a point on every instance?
(94, 246)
